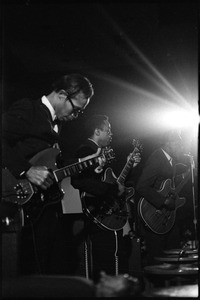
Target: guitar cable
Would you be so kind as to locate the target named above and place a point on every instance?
(86, 260)
(21, 216)
(116, 256)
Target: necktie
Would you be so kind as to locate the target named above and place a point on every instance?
(55, 124)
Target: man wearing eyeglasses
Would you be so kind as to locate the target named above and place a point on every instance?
(29, 127)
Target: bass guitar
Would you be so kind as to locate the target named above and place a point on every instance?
(33, 199)
(162, 220)
(112, 213)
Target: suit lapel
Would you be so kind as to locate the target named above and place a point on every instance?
(44, 108)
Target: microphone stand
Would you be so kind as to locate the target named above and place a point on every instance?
(192, 166)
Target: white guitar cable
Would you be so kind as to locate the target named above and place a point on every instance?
(22, 217)
(86, 260)
(116, 256)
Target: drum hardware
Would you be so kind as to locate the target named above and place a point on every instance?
(179, 251)
(192, 166)
(178, 258)
(167, 274)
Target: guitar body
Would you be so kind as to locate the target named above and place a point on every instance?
(32, 199)
(109, 176)
(35, 206)
(162, 220)
(112, 213)
(109, 213)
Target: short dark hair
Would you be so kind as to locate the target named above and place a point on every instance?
(73, 84)
(95, 121)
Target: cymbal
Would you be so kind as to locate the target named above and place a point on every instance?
(177, 258)
(172, 269)
(178, 251)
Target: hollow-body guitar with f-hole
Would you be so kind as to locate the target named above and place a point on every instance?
(33, 199)
(162, 220)
(112, 212)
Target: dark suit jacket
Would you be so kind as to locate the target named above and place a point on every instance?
(27, 129)
(156, 170)
(89, 181)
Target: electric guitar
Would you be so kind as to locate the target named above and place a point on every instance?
(112, 213)
(162, 220)
(33, 199)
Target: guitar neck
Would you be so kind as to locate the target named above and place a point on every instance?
(74, 169)
(122, 177)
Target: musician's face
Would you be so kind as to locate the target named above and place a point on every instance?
(176, 148)
(68, 109)
(105, 134)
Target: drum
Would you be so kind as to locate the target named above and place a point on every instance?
(188, 291)
(174, 258)
(172, 269)
(165, 275)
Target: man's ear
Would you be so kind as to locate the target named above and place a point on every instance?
(97, 131)
(63, 93)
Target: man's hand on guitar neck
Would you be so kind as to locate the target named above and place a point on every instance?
(136, 158)
(40, 176)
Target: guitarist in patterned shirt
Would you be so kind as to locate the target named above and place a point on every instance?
(158, 199)
(109, 252)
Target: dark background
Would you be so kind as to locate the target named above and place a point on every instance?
(134, 53)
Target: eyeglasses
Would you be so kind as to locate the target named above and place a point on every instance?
(76, 110)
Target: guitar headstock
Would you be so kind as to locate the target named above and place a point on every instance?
(108, 154)
(138, 147)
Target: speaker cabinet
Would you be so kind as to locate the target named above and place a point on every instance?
(10, 254)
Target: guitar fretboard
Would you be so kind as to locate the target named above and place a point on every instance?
(125, 171)
(74, 168)
(128, 165)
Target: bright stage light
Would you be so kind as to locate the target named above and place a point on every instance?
(181, 119)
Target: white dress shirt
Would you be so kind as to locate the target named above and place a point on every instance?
(46, 102)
